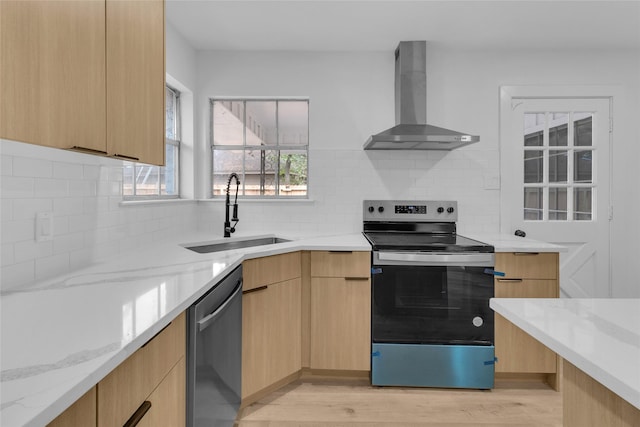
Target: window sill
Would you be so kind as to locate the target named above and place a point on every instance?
(126, 203)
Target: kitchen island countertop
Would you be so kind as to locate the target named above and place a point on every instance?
(601, 337)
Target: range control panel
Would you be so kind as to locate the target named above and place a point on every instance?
(410, 210)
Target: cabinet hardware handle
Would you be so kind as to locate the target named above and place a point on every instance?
(509, 280)
(340, 252)
(356, 278)
(259, 288)
(138, 415)
(88, 150)
(122, 156)
(159, 332)
(526, 253)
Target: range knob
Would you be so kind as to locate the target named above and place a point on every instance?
(440, 209)
(371, 209)
(381, 209)
(450, 210)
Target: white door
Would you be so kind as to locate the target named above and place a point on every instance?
(555, 178)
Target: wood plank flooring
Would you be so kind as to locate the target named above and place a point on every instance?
(324, 402)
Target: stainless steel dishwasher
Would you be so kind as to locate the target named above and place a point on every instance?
(214, 354)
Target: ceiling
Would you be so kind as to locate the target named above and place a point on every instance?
(376, 25)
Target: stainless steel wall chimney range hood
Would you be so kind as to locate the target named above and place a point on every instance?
(411, 131)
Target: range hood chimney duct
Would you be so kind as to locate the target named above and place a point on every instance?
(411, 131)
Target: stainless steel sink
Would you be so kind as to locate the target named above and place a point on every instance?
(235, 244)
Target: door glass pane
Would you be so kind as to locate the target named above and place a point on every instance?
(582, 204)
(533, 203)
(261, 123)
(582, 129)
(228, 125)
(557, 203)
(583, 166)
(533, 129)
(558, 136)
(293, 122)
(533, 166)
(557, 166)
(224, 163)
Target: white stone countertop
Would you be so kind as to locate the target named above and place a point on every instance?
(61, 336)
(601, 337)
(512, 243)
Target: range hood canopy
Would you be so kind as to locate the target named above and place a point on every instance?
(411, 131)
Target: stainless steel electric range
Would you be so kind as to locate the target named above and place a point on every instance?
(431, 321)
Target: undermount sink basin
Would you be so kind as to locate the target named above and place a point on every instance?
(235, 244)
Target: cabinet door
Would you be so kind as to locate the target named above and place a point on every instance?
(52, 62)
(516, 350)
(340, 323)
(271, 334)
(135, 80)
(80, 414)
(271, 269)
(168, 400)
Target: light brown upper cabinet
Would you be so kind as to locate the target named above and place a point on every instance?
(84, 75)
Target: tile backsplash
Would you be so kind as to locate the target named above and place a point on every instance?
(84, 194)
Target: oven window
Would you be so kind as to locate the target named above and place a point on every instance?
(434, 305)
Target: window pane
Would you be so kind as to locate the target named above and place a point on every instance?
(557, 203)
(532, 166)
(558, 136)
(228, 127)
(582, 204)
(583, 166)
(170, 113)
(169, 173)
(261, 168)
(293, 122)
(128, 169)
(533, 204)
(261, 123)
(224, 163)
(533, 127)
(147, 179)
(557, 166)
(582, 133)
(293, 173)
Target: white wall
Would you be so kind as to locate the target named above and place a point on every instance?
(351, 96)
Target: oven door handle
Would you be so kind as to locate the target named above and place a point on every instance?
(434, 259)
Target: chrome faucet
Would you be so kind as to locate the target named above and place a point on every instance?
(228, 229)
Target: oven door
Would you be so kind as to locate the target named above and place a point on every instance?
(425, 298)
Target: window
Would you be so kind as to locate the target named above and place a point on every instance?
(141, 181)
(265, 142)
(558, 173)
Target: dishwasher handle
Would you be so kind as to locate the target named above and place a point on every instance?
(206, 321)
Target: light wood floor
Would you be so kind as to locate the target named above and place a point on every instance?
(320, 402)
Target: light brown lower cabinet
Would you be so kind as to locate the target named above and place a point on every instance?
(151, 383)
(271, 334)
(340, 323)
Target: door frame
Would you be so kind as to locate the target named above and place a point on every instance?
(507, 94)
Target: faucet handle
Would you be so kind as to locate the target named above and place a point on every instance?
(235, 213)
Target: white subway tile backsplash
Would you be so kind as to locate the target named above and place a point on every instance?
(51, 266)
(17, 275)
(32, 167)
(82, 188)
(17, 231)
(68, 243)
(6, 165)
(30, 249)
(68, 206)
(68, 171)
(50, 187)
(6, 255)
(91, 172)
(13, 187)
(27, 208)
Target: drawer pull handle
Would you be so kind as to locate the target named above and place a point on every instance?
(340, 252)
(138, 415)
(526, 253)
(259, 288)
(356, 278)
(88, 150)
(122, 156)
(509, 280)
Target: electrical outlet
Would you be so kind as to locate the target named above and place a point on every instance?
(44, 226)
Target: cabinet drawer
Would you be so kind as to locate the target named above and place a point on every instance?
(340, 264)
(528, 265)
(81, 413)
(526, 288)
(271, 269)
(122, 391)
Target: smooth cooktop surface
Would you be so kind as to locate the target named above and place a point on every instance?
(425, 242)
